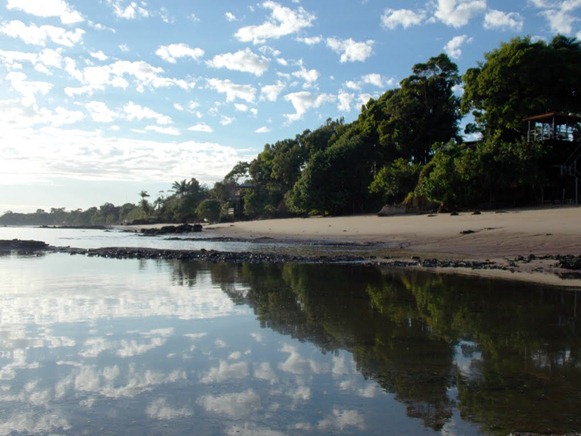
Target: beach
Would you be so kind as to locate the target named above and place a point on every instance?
(555, 231)
(503, 237)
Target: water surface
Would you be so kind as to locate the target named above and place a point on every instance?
(103, 346)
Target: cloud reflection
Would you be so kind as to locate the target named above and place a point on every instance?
(232, 405)
(161, 410)
(226, 371)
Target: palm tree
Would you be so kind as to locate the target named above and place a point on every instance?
(144, 203)
(181, 188)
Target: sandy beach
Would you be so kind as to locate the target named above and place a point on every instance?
(496, 236)
(499, 236)
(477, 236)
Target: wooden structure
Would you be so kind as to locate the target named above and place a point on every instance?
(554, 126)
(559, 127)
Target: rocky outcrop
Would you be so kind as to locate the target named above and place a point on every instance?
(20, 245)
(171, 230)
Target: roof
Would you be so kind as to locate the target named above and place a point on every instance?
(558, 117)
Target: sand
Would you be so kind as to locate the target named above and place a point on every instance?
(499, 236)
(466, 235)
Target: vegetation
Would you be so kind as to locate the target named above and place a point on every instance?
(404, 147)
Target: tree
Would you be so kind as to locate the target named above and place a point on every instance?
(144, 204)
(407, 121)
(209, 210)
(335, 181)
(180, 187)
(396, 180)
(240, 171)
(521, 79)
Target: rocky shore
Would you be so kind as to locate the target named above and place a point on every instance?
(568, 266)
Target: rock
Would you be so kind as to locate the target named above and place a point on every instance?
(569, 262)
(22, 245)
(171, 230)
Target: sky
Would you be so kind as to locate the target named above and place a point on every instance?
(102, 99)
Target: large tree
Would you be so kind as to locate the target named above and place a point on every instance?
(405, 123)
(522, 78)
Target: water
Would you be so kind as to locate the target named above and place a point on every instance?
(96, 238)
(104, 346)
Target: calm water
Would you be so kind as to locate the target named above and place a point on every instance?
(103, 346)
(95, 238)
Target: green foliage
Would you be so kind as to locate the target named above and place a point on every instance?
(407, 121)
(521, 79)
(396, 180)
(493, 173)
(335, 181)
(209, 210)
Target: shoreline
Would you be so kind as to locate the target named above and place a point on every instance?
(533, 245)
(523, 244)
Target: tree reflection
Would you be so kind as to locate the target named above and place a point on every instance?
(503, 354)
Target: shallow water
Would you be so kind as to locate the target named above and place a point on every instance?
(102, 346)
(97, 238)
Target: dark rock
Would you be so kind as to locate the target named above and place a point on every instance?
(170, 230)
(22, 245)
(569, 262)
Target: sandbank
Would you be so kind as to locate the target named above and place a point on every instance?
(498, 236)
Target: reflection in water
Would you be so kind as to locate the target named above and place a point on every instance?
(124, 346)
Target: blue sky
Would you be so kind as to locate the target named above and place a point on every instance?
(102, 99)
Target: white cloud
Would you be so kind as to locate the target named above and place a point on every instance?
(283, 21)
(458, 13)
(345, 99)
(240, 107)
(201, 127)
(304, 101)
(26, 88)
(502, 20)
(172, 131)
(391, 18)
(99, 112)
(226, 121)
(309, 76)
(46, 9)
(373, 79)
(243, 60)
(561, 15)
(171, 53)
(312, 40)
(116, 75)
(230, 16)
(61, 116)
(233, 91)
(262, 129)
(134, 111)
(350, 50)
(454, 47)
(39, 35)
(129, 12)
(99, 55)
(271, 92)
